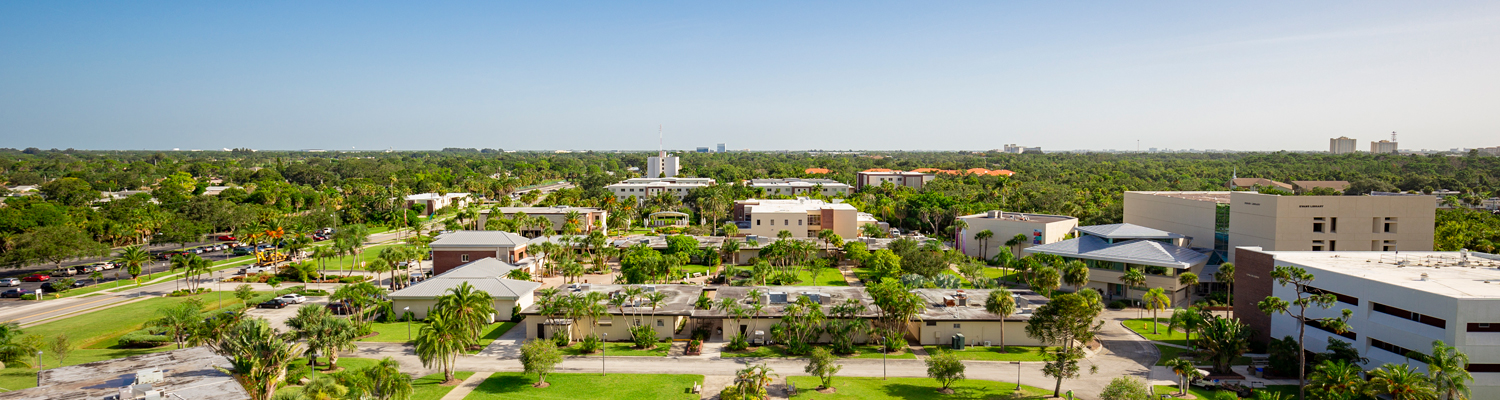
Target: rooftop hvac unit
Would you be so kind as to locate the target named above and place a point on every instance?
(648, 288)
(777, 297)
(992, 214)
(149, 376)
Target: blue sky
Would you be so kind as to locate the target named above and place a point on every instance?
(758, 75)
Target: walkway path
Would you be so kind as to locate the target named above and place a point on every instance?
(467, 386)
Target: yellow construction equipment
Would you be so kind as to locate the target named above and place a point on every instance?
(267, 258)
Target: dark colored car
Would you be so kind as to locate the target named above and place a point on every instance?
(12, 293)
(273, 303)
(37, 278)
(79, 284)
(340, 308)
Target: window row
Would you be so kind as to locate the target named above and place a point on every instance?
(1404, 314)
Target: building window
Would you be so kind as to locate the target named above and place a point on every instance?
(955, 326)
(1390, 225)
(463, 257)
(1415, 317)
(799, 222)
(659, 323)
(786, 222)
(757, 222)
(1342, 298)
(1317, 245)
(931, 323)
(815, 220)
(1388, 245)
(1401, 351)
(1318, 225)
(1333, 224)
(1319, 326)
(1333, 245)
(1483, 327)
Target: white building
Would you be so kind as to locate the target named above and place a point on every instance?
(1341, 145)
(802, 217)
(1039, 229)
(486, 274)
(643, 188)
(661, 166)
(434, 202)
(800, 187)
(881, 176)
(1402, 302)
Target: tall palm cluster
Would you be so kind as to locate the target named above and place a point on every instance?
(453, 326)
(1447, 378)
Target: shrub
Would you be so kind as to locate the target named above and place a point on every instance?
(561, 340)
(352, 279)
(144, 338)
(1118, 304)
(643, 336)
(738, 342)
(296, 372)
(314, 292)
(701, 333)
(515, 314)
(1125, 388)
(28, 297)
(590, 344)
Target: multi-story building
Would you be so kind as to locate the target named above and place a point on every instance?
(1383, 147)
(1014, 149)
(1401, 303)
(802, 217)
(643, 188)
(879, 176)
(1003, 226)
(1304, 186)
(661, 166)
(462, 247)
(1288, 223)
(434, 202)
(800, 187)
(588, 219)
(721, 147)
(1341, 145)
(1111, 250)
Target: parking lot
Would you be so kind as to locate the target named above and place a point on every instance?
(278, 316)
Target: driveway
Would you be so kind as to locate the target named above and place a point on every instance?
(278, 316)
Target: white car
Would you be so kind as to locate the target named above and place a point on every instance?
(255, 270)
(100, 266)
(293, 298)
(10, 282)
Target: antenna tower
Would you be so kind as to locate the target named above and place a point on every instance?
(1393, 136)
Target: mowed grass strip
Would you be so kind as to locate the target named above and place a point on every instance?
(101, 329)
(515, 385)
(1161, 333)
(778, 351)
(910, 388)
(993, 353)
(431, 387)
(624, 349)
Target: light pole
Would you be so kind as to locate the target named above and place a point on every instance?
(885, 348)
(1018, 375)
(603, 348)
(39, 365)
(219, 287)
(406, 313)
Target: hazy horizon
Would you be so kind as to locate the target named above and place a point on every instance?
(762, 76)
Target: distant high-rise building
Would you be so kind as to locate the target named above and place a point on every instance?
(1014, 149)
(702, 149)
(721, 147)
(1383, 147)
(661, 166)
(1341, 145)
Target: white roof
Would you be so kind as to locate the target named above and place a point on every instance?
(1127, 231)
(479, 238)
(1445, 276)
(793, 205)
(485, 274)
(434, 196)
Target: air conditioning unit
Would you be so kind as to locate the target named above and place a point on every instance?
(986, 343)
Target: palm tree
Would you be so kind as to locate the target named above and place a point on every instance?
(1001, 303)
(322, 254)
(731, 248)
(1076, 273)
(1225, 275)
(1015, 241)
(730, 229)
(133, 258)
(958, 230)
(1155, 300)
(181, 261)
(1336, 380)
(178, 320)
(467, 309)
(439, 342)
(1189, 280)
(259, 356)
(14, 349)
(385, 381)
(1448, 369)
(1185, 371)
(1401, 382)
(1132, 278)
(983, 237)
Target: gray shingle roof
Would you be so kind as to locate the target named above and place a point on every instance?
(1128, 231)
(480, 238)
(1140, 251)
(485, 274)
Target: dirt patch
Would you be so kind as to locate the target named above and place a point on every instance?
(540, 385)
(452, 382)
(827, 390)
(372, 334)
(945, 391)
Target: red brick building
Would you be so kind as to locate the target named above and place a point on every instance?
(458, 248)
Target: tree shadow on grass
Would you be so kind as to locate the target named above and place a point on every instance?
(499, 384)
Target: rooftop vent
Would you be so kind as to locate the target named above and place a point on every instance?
(149, 376)
(1424, 276)
(648, 288)
(776, 297)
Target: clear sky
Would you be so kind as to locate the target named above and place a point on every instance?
(761, 75)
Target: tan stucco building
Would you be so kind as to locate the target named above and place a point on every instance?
(589, 219)
(487, 274)
(802, 217)
(1038, 228)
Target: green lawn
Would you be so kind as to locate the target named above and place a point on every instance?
(101, 329)
(1169, 352)
(1197, 393)
(826, 277)
(430, 387)
(691, 268)
(624, 349)
(515, 385)
(911, 388)
(780, 352)
(1143, 327)
(366, 255)
(396, 332)
(993, 353)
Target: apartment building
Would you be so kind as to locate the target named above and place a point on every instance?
(589, 219)
(1341, 145)
(1039, 229)
(432, 202)
(462, 247)
(643, 188)
(880, 176)
(1301, 187)
(802, 217)
(661, 166)
(1111, 250)
(1288, 223)
(1401, 302)
(800, 187)
(1383, 147)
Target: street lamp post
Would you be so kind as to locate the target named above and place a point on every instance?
(39, 365)
(406, 313)
(1018, 375)
(603, 348)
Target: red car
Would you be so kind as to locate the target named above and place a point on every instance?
(37, 278)
(227, 238)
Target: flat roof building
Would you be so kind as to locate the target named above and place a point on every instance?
(643, 188)
(434, 202)
(1341, 145)
(880, 176)
(588, 219)
(1401, 302)
(191, 373)
(1383, 147)
(800, 187)
(1038, 229)
(1111, 250)
(661, 166)
(802, 217)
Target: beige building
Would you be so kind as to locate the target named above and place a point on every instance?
(486, 275)
(1111, 250)
(1383, 147)
(800, 187)
(880, 176)
(1341, 145)
(802, 217)
(1038, 229)
(433, 202)
(643, 188)
(952, 312)
(589, 219)
(615, 325)
(1225, 220)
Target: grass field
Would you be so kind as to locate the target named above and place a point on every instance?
(515, 385)
(780, 352)
(993, 353)
(345, 263)
(691, 268)
(101, 329)
(623, 349)
(396, 332)
(825, 277)
(1143, 327)
(910, 388)
(1286, 391)
(430, 387)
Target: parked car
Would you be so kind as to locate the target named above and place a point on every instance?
(84, 269)
(340, 308)
(37, 278)
(100, 266)
(241, 251)
(272, 303)
(10, 282)
(13, 293)
(255, 270)
(227, 238)
(79, 284)
(293, 298)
